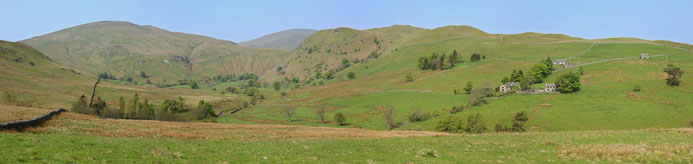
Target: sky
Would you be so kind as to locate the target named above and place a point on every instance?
(245, 20)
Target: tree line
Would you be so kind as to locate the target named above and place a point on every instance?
(138, 109)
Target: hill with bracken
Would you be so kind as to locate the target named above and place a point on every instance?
(286, 40)
(124, 49)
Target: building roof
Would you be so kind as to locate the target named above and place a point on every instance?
(510, 84)
(550, 84)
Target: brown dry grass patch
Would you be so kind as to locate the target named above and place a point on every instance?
(17, 113)
(626, 152)
(72, 123)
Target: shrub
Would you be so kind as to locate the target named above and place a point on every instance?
(456, 109)
(468, 87)
(450, 124)
(202, 111)
(475, 57)
(193, 85)
(321, 114)
(289, 112)
(277, 86)
(283, 93)
(81, 106)
(340, 118)
(636, 88)
(389, 117)
(568, 83)
(519, 120)
(409, 78)
(351, 75)
(416, 115)
(501, 128)
(473, 124)
(112, 113)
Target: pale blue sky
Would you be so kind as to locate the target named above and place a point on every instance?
(244, 20)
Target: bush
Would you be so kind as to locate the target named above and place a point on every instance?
(416, 115)
(203, 110)
(112, 113)
(409, 78)
(450, 124)
(340, 118)
(636, 88)
(277, 86)
(81, 106)
(501, 128)
(283, 93)
(456, 109)
(519, 120)
(193, 85)
(475, 57)
(351, 75)
(568, 83)
(473, 124)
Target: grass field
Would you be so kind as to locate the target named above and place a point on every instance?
(84, 139)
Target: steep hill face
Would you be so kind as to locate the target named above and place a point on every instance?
(325, 50)
(124, 49)
(284, 40)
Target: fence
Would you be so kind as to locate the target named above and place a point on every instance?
(21, 125)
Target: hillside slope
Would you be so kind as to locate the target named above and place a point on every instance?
(611, 66)
(30, 79)
(125, 49)
(284, 40)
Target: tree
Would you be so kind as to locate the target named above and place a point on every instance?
(143, 75)
(351, 75)
(409, 78)
(99, 107)
(519, 120)
(675, 73)
(253, 100)
(289, 112)
(277, 86)
(203, 110)
(581, 70)
(321, 114)
(477, 96)
(450, 124)
(389, 117)
(121, 103)
(423, 63)
(193, 84)
(505, 80)
(475, 124)
(475, 57)
(441, 63)
(468, 87)
(340, 118)
(568, 83)
(80, 106)
(329, 75)
(452, 59)
(279, 69)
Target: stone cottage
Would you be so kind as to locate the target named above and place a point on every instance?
(550, 87)
(644, 56)
(560, 62)
(507, 87)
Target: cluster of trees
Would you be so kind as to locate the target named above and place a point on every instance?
(170, 110)
(417, 115)
(518, 124)
(568, 83)
(536, 74)
(474, 124)
(675, 73)
(438, 62)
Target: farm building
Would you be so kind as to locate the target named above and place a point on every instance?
(560, 62)
(507, 87)
(644, 56)
(550, 87)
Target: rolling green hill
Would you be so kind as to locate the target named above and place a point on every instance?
(606, 100)
(284, 40)
(124, 49)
